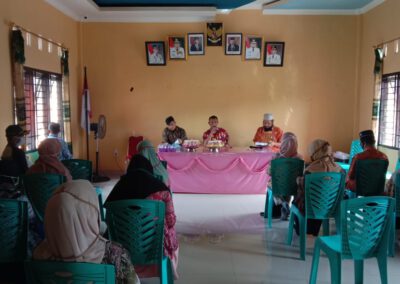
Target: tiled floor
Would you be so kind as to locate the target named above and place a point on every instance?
(248, 253)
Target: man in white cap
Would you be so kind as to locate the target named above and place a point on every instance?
(269, 133)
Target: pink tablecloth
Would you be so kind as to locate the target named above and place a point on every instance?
(220, 173)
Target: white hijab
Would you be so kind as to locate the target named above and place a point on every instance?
(72, 225)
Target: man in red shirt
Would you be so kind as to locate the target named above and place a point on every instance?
(367, 140)
(215, 132)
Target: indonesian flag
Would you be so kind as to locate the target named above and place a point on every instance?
(86, 113)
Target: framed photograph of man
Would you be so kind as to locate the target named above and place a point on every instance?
(273, 54)
(253, 46)
(233, 44)
(195, 44)
(155, 53)
(214, 34)
(177, 47)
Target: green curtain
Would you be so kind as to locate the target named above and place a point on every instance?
(378, 70)
(65, 98)
(18, 60)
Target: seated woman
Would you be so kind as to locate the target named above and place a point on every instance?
(321, 161)
(73, 232)
(13, 161)
(288, 149)
(147, 150)
(139, 183)
(49, 151)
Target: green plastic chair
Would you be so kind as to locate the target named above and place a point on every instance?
(355, 148)
(371, 177)
(38, 272)
(101, 203)
(392, 242)
(79, 169)
(32, 156)
(139, 226)
(365, 226)
(323, 194)
(284, 172)
(14, 230)
(39, 188)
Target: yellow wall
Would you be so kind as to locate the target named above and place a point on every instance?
(314, 94)
(378, 25)
(38, 17)
(325, 88)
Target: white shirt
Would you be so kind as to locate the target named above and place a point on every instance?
(253, 53)
(156, 58)
(177, 52)
(274, 59)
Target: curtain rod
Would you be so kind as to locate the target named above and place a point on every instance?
(385, 42)
(13, 25)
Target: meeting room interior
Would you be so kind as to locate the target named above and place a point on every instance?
(200, 141)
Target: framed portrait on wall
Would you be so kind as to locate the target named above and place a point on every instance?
(177, 47)
(273, 54)
(155, 53)
(233, 44)
(253, 46)
(214, 34)
(196, 44)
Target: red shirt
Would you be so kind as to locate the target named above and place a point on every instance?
(220, 134)
(369, 153)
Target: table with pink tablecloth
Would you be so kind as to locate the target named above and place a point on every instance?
(232, 172)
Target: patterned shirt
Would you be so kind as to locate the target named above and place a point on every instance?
(220, 134)
(170, 136)
(369, 153)
(275, 135)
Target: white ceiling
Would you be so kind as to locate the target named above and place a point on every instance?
(88, 11)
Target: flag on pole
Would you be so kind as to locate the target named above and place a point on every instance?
(86, 113)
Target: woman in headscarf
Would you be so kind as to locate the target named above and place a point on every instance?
(321, 161)
(139, 183)
(147, 150)
(48, 162)
(72, 229)
(288, 149)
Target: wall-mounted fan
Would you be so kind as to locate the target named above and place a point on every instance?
(99, 129)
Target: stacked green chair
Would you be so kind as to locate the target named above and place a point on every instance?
(371, 177)
(139, 226)
(14, 230)
(284, 172)
(79, 169)
(355, 148)
(38, 272)
(39, 188)
(323, 194)
(365, 226)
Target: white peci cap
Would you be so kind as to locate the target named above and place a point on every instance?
(268, 116)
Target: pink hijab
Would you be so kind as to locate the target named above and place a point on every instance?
(48, 161)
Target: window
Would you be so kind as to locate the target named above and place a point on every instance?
(43, 101)
(389, 115)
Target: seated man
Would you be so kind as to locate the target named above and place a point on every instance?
(13, 160)
(173, 132)
(54, 131)
(367, 140)
(215, 132)
(269, 133)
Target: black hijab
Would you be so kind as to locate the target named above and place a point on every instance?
(138, 182)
